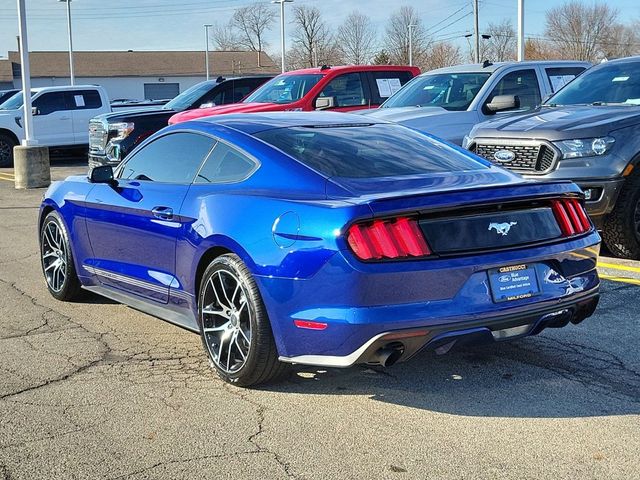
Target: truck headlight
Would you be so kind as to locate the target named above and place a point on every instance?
(586, 147)
(120, 131)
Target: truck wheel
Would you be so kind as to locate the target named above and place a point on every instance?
(6, 150)
(621, 229)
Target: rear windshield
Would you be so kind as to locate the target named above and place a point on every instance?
(368, 151)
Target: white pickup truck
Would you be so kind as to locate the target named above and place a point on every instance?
(60, 117)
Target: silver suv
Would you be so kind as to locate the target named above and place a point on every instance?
(588, 132)
(448, 102)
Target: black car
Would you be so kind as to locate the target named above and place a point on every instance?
(7, 94)
(113, 135)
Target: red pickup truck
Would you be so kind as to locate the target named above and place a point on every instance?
(342, 89)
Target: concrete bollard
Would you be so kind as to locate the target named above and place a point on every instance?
(31, 167)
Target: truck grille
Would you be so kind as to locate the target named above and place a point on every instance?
(97, 136)
(528, 157)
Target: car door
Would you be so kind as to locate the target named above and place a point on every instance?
(348, 92)
(523, 83)
(133, 226)
(85, 105)
(53, 122)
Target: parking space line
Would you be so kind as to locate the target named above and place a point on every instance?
(615, 266)
(7, 176)
(631, 281)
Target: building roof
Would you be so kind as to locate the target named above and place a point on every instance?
(138, 64)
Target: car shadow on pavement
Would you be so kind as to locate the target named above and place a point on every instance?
(534, 378)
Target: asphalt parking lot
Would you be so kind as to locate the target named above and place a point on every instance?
(97, 390)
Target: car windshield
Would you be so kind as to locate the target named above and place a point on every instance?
(368, 151)
(614, 83)
(284, 89)
(14, 103)
(189, 96)
(451, 91)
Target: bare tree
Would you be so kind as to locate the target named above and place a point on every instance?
(442, 54)
(536, 49)
(579, 30)
(501, 46)
(313, 43)
(621, 41)
(397, 37)
(357, 39)
(225, 37)
(252, 22)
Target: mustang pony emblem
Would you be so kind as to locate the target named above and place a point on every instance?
(502, 228)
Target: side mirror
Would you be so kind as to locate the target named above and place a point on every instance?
(500, 103)
(102, 174)
(322, 103)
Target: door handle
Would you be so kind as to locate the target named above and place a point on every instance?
(164, 213)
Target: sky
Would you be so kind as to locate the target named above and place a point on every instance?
(178, 25)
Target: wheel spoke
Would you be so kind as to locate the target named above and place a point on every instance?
(47, 235)
(244, 358)
(52, 265)
(53, 236)
(235, 292)
(224, 290)
(216, 329)
(244, 335)
(211, 311)
(229, 353)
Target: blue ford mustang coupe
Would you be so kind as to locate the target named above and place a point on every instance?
(322, 239)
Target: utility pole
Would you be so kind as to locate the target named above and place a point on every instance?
(476, 29)
(71, 75)
(206, 48)
(410, 27)
(520, 30)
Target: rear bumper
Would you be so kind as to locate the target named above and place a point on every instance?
(444, 338)
(361, 302)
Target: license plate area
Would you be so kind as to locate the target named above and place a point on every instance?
(514, 282)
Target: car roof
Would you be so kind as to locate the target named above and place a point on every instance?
(251, 123)
(325, 70)
(634, 59)
(492, 67)
(54, 88)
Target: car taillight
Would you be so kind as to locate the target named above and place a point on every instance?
(571, 216)
(396, 238)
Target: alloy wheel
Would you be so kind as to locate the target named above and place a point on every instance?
(54, 256)
(226, 321)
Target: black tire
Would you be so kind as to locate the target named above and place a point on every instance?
(55, 245)
(621, 228)
(6, 150)
(255, 356)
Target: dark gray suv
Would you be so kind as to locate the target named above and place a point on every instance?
(588, 132)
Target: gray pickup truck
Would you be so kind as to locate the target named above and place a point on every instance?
(448, 102)
(588, 132)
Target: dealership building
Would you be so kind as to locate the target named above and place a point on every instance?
(138, 75)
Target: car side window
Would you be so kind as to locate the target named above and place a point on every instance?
(386, 83)
(521, 83)
(217, 96)
(172, 158)
(560, 76)
(347, 90)
(85, 100)
(226, 165)
(50, 102)
(242, 88)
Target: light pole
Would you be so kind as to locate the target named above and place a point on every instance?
(207, 26)
(26, 76)
(410, 27)
(68, 2)
(282, 2)
(520, 30)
